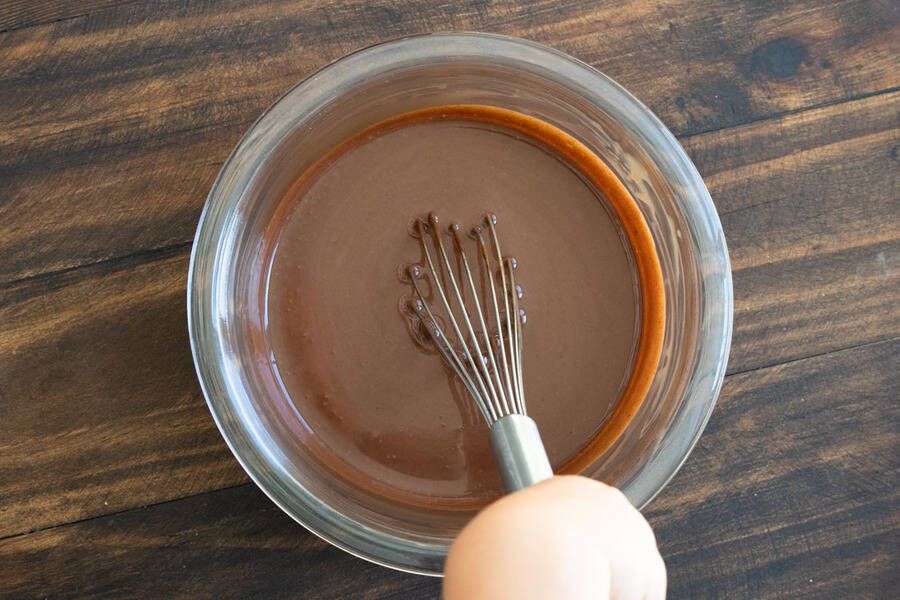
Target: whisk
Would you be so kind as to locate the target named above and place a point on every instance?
(486, 355)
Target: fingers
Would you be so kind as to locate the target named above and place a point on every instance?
(567, 537)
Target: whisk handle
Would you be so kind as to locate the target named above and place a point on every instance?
(519, 452)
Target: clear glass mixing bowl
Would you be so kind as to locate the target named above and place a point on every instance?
(385, 80)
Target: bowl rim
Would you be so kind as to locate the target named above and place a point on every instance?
(204, 270)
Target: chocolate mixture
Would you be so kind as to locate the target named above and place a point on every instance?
(375, 406)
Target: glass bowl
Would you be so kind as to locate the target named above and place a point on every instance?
(404, 75)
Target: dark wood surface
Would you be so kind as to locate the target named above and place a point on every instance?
(114, 120)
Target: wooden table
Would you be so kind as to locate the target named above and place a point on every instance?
(115, 118)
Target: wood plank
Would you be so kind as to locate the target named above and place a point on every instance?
(114, 124)
(101, 407)
(793, 489)
(16, 14)
(791, 492)
(229, 544)
(79, 439)
(809, 203)
(800, 307)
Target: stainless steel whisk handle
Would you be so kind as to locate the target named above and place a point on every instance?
(519, 452)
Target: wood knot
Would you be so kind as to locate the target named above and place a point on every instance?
(779, 58)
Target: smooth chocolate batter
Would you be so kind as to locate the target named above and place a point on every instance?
(375, 407)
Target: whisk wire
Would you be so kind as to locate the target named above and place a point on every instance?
(516, 335)
(435, 281)
(508, 404)
(438, 240)
(489, 271)
(484, 381)
(508, 291)
(446, 350)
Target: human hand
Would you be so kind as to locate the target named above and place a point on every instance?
(567, 538)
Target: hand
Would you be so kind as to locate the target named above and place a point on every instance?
(567, 538)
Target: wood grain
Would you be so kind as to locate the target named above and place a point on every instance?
(115, 119)
(792, 490)
(809, 203)
(101, 407)
(16, 14)
(133, 127)
(774, 499)
(80, 440)
(232, 543)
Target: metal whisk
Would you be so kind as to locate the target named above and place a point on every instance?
(488, 363)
